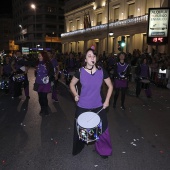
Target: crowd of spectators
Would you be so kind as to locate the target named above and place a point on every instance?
(72, 61)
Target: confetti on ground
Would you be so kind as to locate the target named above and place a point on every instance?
(3, 162)
(161, 152)
(142, 137)
(95, 166)
(51, 138)
(22, 124)
(156, 135)
(123, 152)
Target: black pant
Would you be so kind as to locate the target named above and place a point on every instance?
(43, 99)
(17, 89)
(123, 92)
(138, 87)
(26, 82)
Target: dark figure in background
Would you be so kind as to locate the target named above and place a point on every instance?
(121, 75)
(23, 62)
(142, 78)
(19, 76)
(70, 63)
(44, 75)
(6, 71)
(54, 62)
(91, 77)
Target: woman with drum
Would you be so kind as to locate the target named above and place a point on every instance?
(44, 73)
(6, 71)
(91, 78)
(17, 77)
(121, 75)
(142, 78)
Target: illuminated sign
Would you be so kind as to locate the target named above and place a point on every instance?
(157, 40)
(25, 50)
(158, 26)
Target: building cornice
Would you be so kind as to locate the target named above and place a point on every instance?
(112, 25)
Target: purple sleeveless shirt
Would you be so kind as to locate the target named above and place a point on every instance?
(41, 73)
(144, 70)
(90, 96)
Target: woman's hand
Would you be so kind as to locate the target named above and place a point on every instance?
(105, 105)
(76, 98)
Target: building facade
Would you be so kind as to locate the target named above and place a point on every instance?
(6, 33)
(38, 24)
(89, 22)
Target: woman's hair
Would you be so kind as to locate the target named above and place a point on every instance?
(121, 53)
(142, 60)
(46, 59)
(90, 49)
(5, 57)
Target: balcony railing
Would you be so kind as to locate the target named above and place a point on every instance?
(126, 22)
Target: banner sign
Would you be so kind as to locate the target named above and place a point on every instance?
(158, 25)
(25, 50)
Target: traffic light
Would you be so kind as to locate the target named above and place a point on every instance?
(123, 41)
(119, 46)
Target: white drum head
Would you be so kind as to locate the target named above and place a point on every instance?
(88, 120)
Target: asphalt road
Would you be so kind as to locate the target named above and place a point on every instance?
(140, 135)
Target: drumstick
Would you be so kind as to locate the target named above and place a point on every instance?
(96, 114)
(99, 110)
(76, 89)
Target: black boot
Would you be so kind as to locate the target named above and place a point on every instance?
(46, 113)
(122, 107)
(41, 111)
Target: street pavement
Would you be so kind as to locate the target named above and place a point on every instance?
(140, 134)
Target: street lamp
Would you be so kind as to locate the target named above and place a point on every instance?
(107, 26)
(111, 33)
(38, 45)
(22, 38)
(33, 6)
(51, 39)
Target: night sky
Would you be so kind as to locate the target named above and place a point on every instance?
(6, 7)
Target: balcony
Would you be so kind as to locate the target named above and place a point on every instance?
(112, 25)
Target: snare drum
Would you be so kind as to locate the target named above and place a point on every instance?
(18, 77)
(89, 127)
(4, 84)
(145, 83)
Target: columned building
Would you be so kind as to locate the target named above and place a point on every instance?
(91, 22)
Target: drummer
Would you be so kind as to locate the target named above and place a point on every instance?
(6, 71)
(91, 78)
(142, 73)
(19, 66)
